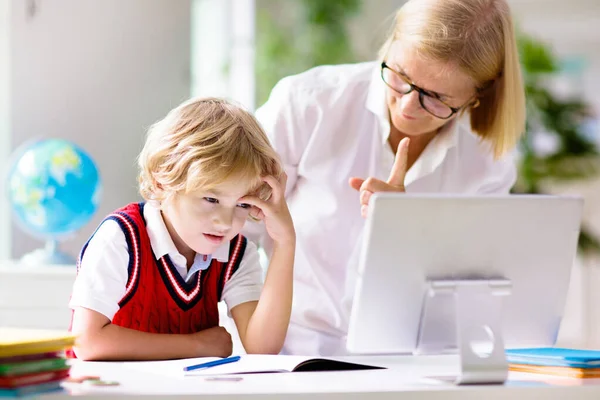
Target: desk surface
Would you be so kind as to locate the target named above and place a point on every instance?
(406, 377)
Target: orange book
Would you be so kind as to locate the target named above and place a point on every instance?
(570, 372)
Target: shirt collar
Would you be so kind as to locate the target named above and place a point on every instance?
(161, 240)
(435, 152)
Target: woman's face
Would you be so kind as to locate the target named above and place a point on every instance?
(443, 80)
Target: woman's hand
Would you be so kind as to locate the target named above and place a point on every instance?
(395, 182)
(274, 212)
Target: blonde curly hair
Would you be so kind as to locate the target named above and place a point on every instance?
(202, 143)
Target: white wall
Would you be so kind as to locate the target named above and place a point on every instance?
(97, 73)
(4, 124)
(571, 28)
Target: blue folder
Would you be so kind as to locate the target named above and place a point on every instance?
(31, 390)
(555, 357)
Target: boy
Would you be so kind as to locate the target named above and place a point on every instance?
(150, 277)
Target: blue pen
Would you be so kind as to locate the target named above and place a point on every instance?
(212, 363)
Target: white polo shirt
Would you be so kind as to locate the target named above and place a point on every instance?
(329, 124)
(102, 276)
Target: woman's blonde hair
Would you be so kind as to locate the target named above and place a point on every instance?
(202, 143)
(478, 37)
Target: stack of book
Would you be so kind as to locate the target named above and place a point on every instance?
(555, 361)
(32, 361)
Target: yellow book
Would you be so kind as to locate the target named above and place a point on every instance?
(20, 342)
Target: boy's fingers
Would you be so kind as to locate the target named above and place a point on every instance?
(276, 186)
(283, 181)
(255, 202)
(256, 213)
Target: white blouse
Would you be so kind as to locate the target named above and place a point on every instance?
(329, 124)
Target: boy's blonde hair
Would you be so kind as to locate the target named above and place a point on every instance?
(477, 36)
(202, 143)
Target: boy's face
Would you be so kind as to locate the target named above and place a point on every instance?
(200, 222)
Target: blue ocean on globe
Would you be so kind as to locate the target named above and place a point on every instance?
(54, 188)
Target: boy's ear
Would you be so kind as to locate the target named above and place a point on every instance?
(158, 189)
(159, 193)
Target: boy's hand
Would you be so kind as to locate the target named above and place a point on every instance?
(213, 342)
(274, 212)
(395, 182)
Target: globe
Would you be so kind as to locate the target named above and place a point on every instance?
(54, 189)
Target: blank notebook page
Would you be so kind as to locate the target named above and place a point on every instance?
(252, 363)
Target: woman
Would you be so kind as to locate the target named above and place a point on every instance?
(398, 123)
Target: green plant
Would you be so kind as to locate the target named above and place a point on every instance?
(575, 156)
(315, 33)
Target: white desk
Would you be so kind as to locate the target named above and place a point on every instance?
(37, 297)
(404, 380)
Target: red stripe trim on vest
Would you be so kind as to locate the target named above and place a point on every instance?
(234, 256)
(187, 297)
(136, 252)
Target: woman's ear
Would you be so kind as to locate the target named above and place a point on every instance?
(474, 104)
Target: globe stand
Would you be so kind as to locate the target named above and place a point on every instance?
(49, 255)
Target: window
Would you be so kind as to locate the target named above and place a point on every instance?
(223, 49)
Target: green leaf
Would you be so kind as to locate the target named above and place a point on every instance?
(536, 57)
(576, 157)
(588, 244)
(318, 36)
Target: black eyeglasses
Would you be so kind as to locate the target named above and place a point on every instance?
(430, 101)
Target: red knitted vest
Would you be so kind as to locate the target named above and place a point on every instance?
(157, 299)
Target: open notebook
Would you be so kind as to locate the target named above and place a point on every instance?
(248, 364)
